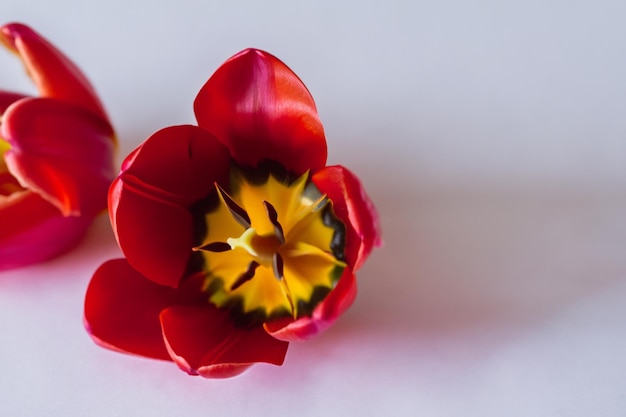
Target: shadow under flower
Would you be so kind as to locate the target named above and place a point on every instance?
(465, 273)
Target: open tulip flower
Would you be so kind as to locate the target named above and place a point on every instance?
(238, 238)
(56, 154)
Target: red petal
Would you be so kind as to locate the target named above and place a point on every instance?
(202, 340)
(261, 110)
(149, 201)
(32, 230)
(122, 309)
(335, 303)
(353, 206)
(60, 151)
(7, 98)
(52, 72)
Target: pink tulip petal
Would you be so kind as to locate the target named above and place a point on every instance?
(325, 314)
(33, 230)
(51, 71)
(261, 110)
(353, 206)
(7, 98)
(149, 202)
(203, 340)
(60, 151)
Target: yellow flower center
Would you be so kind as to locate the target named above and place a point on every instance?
(4, 146)
(272, 248)
(8, 183)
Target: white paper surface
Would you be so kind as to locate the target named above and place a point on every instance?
(491, 136)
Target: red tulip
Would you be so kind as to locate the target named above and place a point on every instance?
(238, 239)
(56, 154)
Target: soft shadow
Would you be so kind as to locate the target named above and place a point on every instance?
(484, 261)
(95, 247)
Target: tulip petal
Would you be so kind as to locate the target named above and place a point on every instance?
(122, 309)
(60, 151)
(353, 206)
(33, 230)
(261, 110)
(51, 71)
(325, 314)
(203, 340)
(7, 98)
(149, 202)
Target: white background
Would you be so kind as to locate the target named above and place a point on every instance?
(490, 134)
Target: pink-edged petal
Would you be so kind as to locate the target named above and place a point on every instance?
(203, 340)
(353, 206)
(60, 151)
(261, 110)
(325, 314)
(149, 202)
(32, 230)
(51, 71)
(122, 309)
(7, 98)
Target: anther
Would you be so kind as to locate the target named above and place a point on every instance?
(215, 247)
(246, 276)
(239, 214)
(273, 217)
(278, 266)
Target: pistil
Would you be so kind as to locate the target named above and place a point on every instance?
(273, 258)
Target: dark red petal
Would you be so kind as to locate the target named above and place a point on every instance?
(7, 98)
(155, 236)
(353, 206)
(52, 72)
(182, 161)
(33, 230)
(149, 201)
(122, 309)
(61, 152)
(325, 314)
(261, 110)
(202, 340)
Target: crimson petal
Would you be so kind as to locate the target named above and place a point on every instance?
(33, 230)
(7, 98)
(325, 314)
(122, 309)
(149, 202)
(53, 73)
(60, 151)
(354, 207)
(202, 340)
(261, 110)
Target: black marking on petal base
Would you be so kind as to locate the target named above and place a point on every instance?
(216, 247)
(239, 214)
(273, 216)
(338, 243)
(246, 276)
(198, 211)
(235, 304)
(259, 174)
(305, 308)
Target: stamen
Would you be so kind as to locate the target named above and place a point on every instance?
(273, 216)
(239, 214)
(246, 276)
(283, 228)
(320, 203)
(277, 265)
(215, 247)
